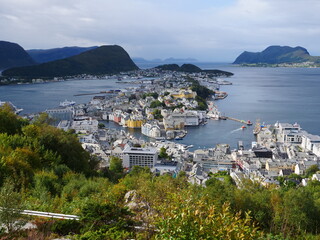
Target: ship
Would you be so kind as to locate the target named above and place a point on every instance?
(67, 103)
(257, 127)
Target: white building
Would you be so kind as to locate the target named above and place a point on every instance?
(144, 157)
(309, 141)
(151, 129)
(85, 125)
(289, 133)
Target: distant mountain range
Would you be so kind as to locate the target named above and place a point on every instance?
(190, 68)
(276, 55)
(13, 55)
(48, 55)
(102, 60)
(71, 61)
(171, 60)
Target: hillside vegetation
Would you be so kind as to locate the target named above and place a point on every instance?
(276, 55)
(191, 68)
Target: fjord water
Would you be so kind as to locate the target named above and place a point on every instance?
(269, 94)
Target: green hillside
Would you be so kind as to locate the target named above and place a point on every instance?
(276, 55)
(103, 60)
(191, 68)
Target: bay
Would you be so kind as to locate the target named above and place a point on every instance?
(269, 94)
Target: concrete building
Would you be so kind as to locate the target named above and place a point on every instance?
(151, 129)
(144, 157)
(90, 125)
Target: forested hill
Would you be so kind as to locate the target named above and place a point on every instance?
(109, 59)
(191, 68)
(276, 55)
(13, 55)
(48, 55)
(46, 169)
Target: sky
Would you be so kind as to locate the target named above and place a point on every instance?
(207, 30)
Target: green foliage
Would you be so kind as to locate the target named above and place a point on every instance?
(202, 104)
(312, 170)
(115, 171)
(10, 123)
(11, 206)
(43, 118)
(201, 91)
(157, 114)
(156, 104)
(102, 221)
(155, 95)
(66, 227)
(163, 153)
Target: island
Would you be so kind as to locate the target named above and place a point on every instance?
(283, 56)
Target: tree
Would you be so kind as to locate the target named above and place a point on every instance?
(155, 104)
(11, 206)
(105, 221)
(115, 169)
(193, 218)
(312, 170)
(163, 153)
(10, 123)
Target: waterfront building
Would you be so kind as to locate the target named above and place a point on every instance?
(59, 114)
(309, 141)
(151, 129)
(135, 121)
(144, 157)
(87, 125)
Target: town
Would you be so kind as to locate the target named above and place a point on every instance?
(162, 107)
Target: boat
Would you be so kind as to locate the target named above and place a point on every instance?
(257, 127)
(160, 138)
(243, 127)
(249, 123)
(178, 138)
(67, 103)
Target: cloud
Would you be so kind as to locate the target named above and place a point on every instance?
(213, 30)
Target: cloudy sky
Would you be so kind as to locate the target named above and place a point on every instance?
(208, 30)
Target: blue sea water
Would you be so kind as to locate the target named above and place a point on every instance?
(269, 94)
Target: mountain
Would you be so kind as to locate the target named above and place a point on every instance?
(190, 68)
(13, 55)
(139, 60)
(48, 55)
(110, 59)
(276, 55)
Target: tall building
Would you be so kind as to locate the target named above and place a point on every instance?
(144, 157)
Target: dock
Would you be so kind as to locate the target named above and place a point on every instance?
(240, 121)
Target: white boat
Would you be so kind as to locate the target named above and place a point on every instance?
(67, 103)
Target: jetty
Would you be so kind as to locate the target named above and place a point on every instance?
(240, 121)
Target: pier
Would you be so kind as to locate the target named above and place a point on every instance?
(240, 121)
